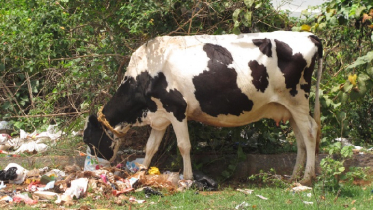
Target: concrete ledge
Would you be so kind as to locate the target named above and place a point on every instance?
(213, 165)
(40, 162)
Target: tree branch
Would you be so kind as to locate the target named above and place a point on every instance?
(48, 115)
(92, 55)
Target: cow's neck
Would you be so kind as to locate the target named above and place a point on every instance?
(128, 105)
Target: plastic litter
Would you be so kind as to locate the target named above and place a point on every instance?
(4, 138)
(204, 181)
(6, 198)
(32, 187)
(243, 205)
(50, 134)
(103, 177)
(2, 185)
(154, 171)
(56, 174)
(4, 125)
(184, 184)
(46, 195)
(9, 174)
(308, 203)
(31, 147)
(5, 128)
(48, 186)
(21, 173)
(158, 181)
(92, 163)
(262, 197)
(77, 189)
(301, 188)
(133, 199)
(133, 166)
(246, 191)
(344, 141)
(172, 177)
(150, 191)
(25, 198)
(118, 192)
(133, 181)
(30, 142)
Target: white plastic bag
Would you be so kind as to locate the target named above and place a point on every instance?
(31, 147)
(78, 188)
(4, 125)
(21, 173)
(92, 163)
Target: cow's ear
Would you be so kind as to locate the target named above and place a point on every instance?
(93, 120)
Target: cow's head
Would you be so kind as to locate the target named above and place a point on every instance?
(98, 140)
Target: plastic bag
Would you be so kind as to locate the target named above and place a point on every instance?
(25, 198)
(32, 146)
(77, 189)
(133, 166)
(92, 163)
(4, 125)
(21, 173)
(56, 174)
(204, 181)
(9, 174)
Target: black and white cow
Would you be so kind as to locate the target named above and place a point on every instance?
(225, 80)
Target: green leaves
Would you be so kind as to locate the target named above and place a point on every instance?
(366, 59)
(241, 16)
(257, 16)
(356, 11)
(347, 152)
(249, 3)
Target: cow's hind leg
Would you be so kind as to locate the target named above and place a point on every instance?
(301, 151)
(152, 145)
(308, 128)
(183, 142)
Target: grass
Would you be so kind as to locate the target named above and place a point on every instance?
(278, 198)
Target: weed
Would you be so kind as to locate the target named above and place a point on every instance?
(269, 179)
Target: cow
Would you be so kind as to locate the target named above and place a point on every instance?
(220, 80)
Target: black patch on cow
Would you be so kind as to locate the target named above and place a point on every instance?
(216, 88)
(172, 100)
(129, 102)
(290, 65)
(265, 46)
(133, 99)
(307, 75)
(318, 44)
(260, 75)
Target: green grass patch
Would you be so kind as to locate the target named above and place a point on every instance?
(229, 198)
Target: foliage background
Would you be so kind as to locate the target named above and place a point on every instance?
(61, 60)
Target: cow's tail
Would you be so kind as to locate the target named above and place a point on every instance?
(317, 114)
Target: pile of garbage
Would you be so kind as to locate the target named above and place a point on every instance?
(66, 187)
(29, 142)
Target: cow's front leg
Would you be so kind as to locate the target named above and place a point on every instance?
(183, 142)
(152, 145)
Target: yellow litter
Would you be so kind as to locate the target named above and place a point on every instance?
(153, 171)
